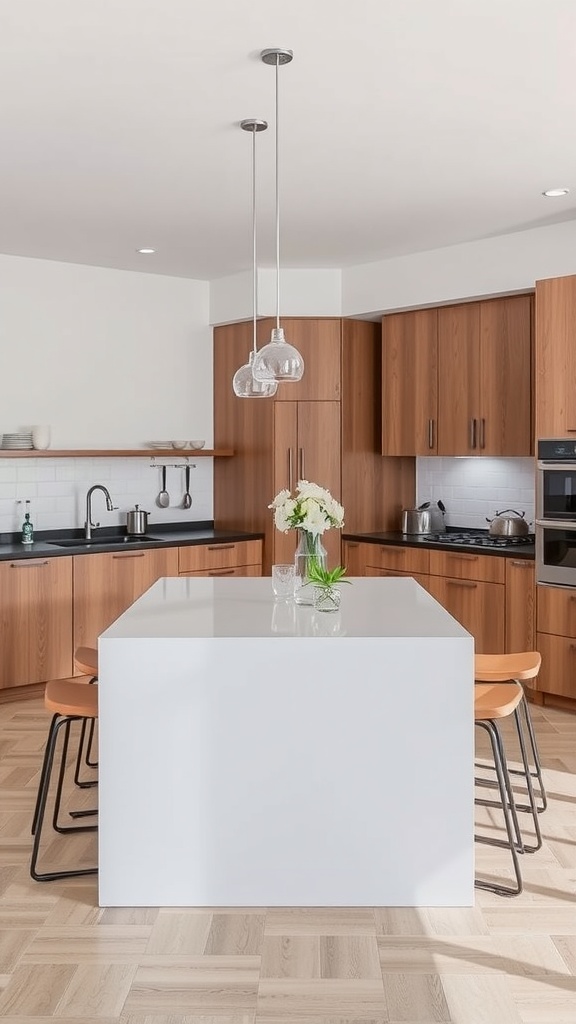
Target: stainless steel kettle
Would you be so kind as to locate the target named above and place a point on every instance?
(137, 522)
(508, 526)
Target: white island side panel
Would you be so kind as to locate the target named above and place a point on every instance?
(284, 770)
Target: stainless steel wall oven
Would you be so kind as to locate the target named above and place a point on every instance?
(556, 512)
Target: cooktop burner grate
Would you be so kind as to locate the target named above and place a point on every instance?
(479, 539)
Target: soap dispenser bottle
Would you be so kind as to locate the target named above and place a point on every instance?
(27, 527)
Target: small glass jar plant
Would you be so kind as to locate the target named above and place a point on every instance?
(326, 591)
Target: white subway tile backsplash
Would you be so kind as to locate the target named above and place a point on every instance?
(472, 489)
(57, 490)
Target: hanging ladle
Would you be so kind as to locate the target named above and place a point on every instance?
(163, 499)
(187, 499)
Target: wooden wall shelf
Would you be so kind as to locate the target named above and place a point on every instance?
(106, 453)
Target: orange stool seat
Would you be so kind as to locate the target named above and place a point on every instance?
(495, 668)
(86, 660)
(495, 700)
(63, 697)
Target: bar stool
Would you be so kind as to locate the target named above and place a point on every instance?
(69, 702)
(86, 661)
(501, 668)
(493, 702)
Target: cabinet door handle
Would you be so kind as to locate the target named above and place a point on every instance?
(573, 647)
(482, 433)
(526, 564)
(27, 564)
(430, 433)
(462, 583)
(221, 547)
(290, 480)
(135, 554)
(301, 453)
(473, 433)
(393, 551)
(352, 543)
(466, 558)
(221, 572)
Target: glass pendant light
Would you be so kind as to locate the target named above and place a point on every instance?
(244, 383)
(278, 360)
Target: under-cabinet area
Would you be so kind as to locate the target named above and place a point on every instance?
(50, 606)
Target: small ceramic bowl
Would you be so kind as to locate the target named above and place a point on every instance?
(197, 444)
(178, 444)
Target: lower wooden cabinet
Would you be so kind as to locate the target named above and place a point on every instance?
(221, 559)
(108, 582)
(520, 605)
(556, 640)
(478, 606)
(35, 620)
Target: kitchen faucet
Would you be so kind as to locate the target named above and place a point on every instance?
(89, 525)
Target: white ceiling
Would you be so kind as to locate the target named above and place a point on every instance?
(404, 126)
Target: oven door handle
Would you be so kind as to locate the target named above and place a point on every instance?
(556, 465)
(555, 524)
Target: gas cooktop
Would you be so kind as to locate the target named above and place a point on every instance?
(478, 538)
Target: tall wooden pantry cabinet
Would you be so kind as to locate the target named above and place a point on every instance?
(325, 428)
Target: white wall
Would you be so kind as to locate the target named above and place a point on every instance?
(492, 266)
(312, 292)
(475, 489)
(110, 359)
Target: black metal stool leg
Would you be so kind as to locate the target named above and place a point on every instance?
(505, 789)
(57, 723)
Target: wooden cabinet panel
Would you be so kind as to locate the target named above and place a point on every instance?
(410, 383)
(201, 557)
(107, 583)
(479, 607)
(459, 370)
(389, 556)
(466, 566)
(319, 343)
(354, 557)
(555, 357)
(35, 620)
(520, 605)
(558, 671)
(237, 570)
(504, 400)
(556, 611)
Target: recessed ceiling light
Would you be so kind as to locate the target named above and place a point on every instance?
(146, 252)
(552, 192)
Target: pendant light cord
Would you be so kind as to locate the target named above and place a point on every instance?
(277, 206)
(254, 270)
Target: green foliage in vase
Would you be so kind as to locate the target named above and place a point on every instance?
(326, 577)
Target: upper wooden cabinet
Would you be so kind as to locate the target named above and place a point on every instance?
(318, 342)
(556, 357)
(410, 383)
(458, 380)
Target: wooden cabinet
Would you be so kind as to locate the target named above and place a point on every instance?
(107, 583)
(410, 383)
(35, 620)
(240, 558)
(458, 380)
(471, 588)
(555, 357)
(556, 641)
(307, 447)
(520, 605)
(325, 428)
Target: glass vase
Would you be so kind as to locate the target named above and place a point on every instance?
(326, 599)
(310, 552)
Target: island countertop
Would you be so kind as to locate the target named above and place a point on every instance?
(254, 753)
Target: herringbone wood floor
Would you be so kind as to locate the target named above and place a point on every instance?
(506, 961)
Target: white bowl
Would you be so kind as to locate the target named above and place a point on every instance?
(178, 444)
(197, 444)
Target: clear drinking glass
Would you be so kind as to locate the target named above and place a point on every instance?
(283, 580)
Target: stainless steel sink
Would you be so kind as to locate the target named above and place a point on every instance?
(113, 541)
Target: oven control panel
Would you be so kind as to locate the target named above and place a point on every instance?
(556, 451)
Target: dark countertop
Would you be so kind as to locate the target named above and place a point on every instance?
(411, 540)
(174, 535)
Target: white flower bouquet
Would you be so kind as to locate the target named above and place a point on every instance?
(313, 509)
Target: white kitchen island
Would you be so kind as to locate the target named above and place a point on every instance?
(255, 753)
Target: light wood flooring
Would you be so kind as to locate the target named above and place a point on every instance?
(505, 961)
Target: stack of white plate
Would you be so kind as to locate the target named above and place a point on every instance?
(17, 441)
